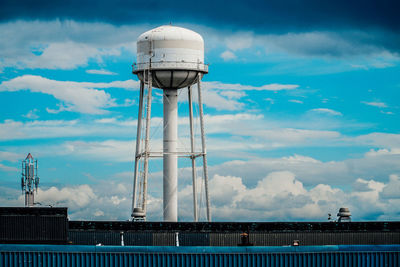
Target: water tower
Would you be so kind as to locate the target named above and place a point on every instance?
(169, 58)
(29, 179)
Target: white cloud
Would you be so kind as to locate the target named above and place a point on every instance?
(228, 55)
(239, 41)
(392, 189)
(270, 100)
(362, 185)
(311, 170)
(107, 120)
(276, 195)
(382, 65)
(63, 44)
(10, 156)
(225, 96)
(266, 87)
(381, 140)
(8, 168)
(109, 150)
(295, 101)
(104, 200)
(382, 152)
(32, 114)
(39, 129)
(325, 44)
(86, 97)
(232, 94)
(327, 111)
(54, 56)
(375, 104)
(40, 44)
(72, 197)
(76, 96)
(281, 196)
(387, 112)
(101, 72)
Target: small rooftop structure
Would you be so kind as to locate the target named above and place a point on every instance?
(344, 215)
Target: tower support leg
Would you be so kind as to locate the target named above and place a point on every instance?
(147, 142)
(193, 158)
(138, 139)
(204, 149)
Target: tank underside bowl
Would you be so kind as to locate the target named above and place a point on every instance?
(171, 79)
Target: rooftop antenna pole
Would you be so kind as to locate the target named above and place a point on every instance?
(29, 179)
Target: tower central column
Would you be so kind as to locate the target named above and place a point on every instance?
(170, 158)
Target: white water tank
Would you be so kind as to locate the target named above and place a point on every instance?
(174, 55)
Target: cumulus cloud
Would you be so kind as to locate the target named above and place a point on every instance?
(392, 189)
(77, 96)
(277, 196)
(311, 170)
(72, 197)
(281, 196)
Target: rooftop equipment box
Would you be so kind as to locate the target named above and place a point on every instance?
(33, 225)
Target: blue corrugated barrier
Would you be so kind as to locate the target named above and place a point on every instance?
(73, 255)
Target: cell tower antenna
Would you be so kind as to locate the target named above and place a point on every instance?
(29, 179)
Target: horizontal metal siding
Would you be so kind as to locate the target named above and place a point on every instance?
(205, 259)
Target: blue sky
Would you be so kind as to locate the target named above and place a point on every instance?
(301, 105)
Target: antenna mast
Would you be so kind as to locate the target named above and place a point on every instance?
(29, 179)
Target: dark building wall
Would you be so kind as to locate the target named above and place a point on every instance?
(233, 239)
(228, 233)
(33, 225)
